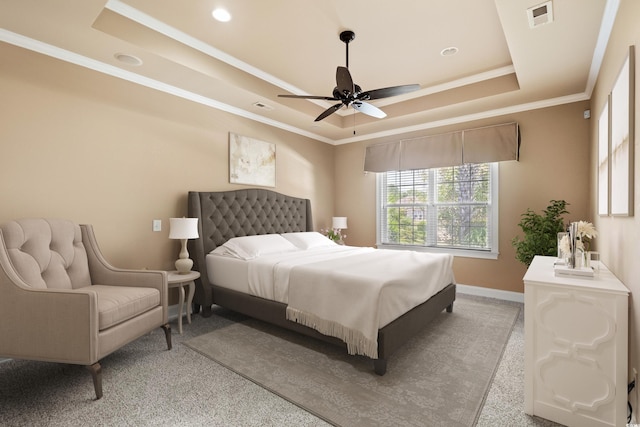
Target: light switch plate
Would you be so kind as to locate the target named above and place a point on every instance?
(157, 225)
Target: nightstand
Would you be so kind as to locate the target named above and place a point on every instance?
(177, 280)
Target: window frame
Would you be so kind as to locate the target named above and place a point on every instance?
(467, 253)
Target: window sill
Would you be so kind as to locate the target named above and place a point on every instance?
(464, 253)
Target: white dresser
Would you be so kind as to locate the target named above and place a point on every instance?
(575, 346)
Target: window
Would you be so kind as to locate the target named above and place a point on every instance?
(452, 209)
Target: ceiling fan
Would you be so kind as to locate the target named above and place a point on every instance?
(350, 94)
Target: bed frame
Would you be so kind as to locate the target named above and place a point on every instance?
(226, 214)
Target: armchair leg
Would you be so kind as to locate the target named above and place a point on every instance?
(167, 334)
(96, 373)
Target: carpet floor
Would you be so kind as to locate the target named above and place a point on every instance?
(439, 378)
(146, 385)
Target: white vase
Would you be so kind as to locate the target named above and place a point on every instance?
(579, 258)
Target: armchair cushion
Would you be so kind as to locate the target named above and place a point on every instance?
(47, 253)
(117, 304)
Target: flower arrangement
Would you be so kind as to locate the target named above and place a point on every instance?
(586, 232)
(334, 234)
(575, 244)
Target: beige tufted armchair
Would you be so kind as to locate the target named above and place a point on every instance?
(60, 301)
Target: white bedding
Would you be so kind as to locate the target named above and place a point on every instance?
(228, 272)
(342, 291)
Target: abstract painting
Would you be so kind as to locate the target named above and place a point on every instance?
(251, 161)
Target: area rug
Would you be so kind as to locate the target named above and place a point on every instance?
(438, 378)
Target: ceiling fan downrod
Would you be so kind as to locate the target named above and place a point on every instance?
(347, 37)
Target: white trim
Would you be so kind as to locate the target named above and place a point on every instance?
(175, 34)
(117, 6)
(463, 253)
(490, 293)
(92, 64)
(172, 312)
(606, 27)
(495, 208)
(101, 67)
(494, 171)
(529, 106)
(142, 18)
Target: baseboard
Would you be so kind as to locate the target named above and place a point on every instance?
(490, 293)
(173, 310)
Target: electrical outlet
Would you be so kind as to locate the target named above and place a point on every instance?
(157, 225)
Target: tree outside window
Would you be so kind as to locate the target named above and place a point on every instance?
(446, 207)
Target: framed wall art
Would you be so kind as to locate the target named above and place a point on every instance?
(251, 161)
(622, 138)
(603, 161)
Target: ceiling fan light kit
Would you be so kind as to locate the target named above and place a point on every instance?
(350, 94)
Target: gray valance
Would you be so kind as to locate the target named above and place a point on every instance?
(482, 145)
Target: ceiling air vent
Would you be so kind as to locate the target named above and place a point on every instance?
(540, 14)
(262, 105)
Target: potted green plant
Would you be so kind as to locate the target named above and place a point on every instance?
(540, 232)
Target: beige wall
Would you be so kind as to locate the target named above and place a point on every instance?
(619, 237)
(554, 164)
(81, 145)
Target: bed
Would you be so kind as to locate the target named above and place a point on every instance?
(226, 215)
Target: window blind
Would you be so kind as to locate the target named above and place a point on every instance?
(431, 151)
(482, 145)
(491, 144)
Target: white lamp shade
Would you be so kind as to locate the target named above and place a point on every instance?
(183, 228)
(340, 222)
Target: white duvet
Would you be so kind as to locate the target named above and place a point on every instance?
(349, 292)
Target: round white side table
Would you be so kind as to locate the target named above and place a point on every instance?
(178, 280)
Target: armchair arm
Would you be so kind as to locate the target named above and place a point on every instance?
(56, 325)
(104, 273)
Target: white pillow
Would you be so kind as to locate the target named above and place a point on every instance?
(308, 239)
(250, 247)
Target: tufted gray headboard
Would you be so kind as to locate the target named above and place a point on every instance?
(223, 215)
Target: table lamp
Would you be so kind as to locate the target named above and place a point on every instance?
(183, 229)
(339, 223)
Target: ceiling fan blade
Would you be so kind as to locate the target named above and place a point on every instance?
(388, 91)
(328, 98)
(368, 109)
(344, 82)
(329, 111)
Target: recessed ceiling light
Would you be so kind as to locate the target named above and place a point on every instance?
(448, 51)
(128, 59)
(221, 15)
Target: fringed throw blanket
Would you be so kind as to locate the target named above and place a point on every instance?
(343, 297)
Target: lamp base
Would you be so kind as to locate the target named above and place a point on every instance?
(183, 265)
